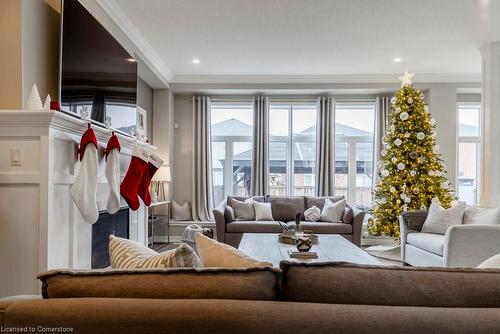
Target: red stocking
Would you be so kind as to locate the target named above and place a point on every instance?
(135, 172)
(154, 163)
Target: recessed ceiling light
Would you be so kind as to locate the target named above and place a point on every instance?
(196, 61)
(396, 60)
(131, 60)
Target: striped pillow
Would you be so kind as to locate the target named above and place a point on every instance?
(127, 254)
(439, 219)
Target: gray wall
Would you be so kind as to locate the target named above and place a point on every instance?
(442, 99)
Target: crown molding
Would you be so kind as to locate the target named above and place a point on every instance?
(149, 54)
(306, 79)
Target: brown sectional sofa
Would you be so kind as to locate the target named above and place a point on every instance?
(297, 298)
(284, 209)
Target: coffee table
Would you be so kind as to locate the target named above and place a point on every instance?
(331, 247)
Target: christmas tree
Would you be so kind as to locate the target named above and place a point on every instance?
(411, 172)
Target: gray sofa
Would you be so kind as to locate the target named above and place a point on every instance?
(284, 209)
(465, 245)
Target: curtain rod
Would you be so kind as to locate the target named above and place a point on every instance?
(287, 100)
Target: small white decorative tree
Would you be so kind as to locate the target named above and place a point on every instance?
(34, 102)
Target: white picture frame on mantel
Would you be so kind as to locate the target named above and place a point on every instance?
(141, 123)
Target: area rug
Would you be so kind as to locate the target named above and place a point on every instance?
(392, 253)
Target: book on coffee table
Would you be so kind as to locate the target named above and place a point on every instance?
(302, 255)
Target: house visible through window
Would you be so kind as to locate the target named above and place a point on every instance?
(469, 151)
(232, 128)
(354, 124)
(292, 148)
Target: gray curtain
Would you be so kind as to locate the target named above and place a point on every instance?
(202, 196)
(260, 151)
(325, 147)
(382, 110)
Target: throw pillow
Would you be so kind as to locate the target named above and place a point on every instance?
(128, 254)
(217, 254)
(263, 211)
(492, 262)
(332, 212)
(479, 215)
(313, 214)
(243, 210)
(229, 213)
(181, 212)
(439, 219)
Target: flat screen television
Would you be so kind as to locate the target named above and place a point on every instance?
(96, 72)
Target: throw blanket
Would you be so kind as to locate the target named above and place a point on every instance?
(189, 233)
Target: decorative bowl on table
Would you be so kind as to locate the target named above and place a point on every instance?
(304, 244)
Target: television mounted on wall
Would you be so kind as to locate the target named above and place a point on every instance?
(96, 72)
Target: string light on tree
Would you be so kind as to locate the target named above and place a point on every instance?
(411, 171)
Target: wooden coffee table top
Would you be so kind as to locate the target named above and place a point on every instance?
(331, 247)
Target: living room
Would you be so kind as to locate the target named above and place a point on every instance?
(308, 166)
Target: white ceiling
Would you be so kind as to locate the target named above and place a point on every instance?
(309, 38)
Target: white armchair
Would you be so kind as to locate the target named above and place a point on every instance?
(461, 246)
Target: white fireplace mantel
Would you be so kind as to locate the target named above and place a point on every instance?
(40, 227)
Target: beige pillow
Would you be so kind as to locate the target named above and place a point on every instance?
(128, 254)
(492, 262)
(217, 254)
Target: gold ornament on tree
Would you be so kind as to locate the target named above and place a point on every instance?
(411, 171)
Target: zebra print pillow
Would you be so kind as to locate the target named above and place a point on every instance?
(127, 254)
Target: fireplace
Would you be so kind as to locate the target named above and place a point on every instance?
(116, 224)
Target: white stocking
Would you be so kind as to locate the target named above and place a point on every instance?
(112, 172)
(84, 190)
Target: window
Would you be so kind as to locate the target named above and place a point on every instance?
(469, 150)
(232, 128)
(354, 124)
(292, 148)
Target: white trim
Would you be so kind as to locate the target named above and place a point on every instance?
(37, 123)
(128, 27)
(478, 140)
(338, 78)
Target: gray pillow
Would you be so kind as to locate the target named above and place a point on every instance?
(439, 219)
(229, 213)
(243, 210)
(480, 215)
(181, 212)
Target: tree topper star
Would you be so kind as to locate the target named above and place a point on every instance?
(406, 78)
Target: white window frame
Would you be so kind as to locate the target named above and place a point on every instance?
(352, 142)
(478, 140)
(229, 143)
(291, 140)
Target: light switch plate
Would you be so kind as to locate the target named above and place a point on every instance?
(15, 156)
